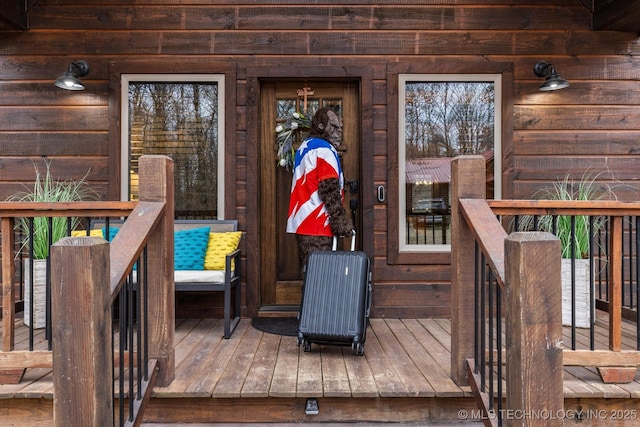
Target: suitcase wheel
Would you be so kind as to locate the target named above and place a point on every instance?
(305, 343)
(358, 348)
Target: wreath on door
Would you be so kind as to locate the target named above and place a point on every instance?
(288, 137)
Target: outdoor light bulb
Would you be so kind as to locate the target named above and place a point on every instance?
(69, 82)
(73, 85)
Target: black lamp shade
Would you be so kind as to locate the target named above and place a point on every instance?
(553, 80)
(70, 79)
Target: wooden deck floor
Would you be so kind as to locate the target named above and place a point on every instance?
(408, 357)
(404, 359)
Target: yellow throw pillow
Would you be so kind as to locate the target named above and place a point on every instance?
(83, 233)
(219, 246)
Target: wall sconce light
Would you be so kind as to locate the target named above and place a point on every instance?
(70, 79)
(554, 81)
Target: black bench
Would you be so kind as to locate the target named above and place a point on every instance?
(226, 281)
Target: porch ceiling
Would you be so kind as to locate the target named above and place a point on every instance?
(615, 15)
(14, 14)
(607, 15)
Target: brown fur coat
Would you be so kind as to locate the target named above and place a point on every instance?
(329, 191)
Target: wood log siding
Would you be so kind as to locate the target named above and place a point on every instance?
(616, 15)
(594, 124)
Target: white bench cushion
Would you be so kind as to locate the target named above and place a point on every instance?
(193, 276)
(198, 276)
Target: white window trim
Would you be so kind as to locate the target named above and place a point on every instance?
(124, 132)
(497, 146)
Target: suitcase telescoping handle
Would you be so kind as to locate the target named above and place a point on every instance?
(353, 241)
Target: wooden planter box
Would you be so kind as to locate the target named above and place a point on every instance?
(39, 293)
(582, 293)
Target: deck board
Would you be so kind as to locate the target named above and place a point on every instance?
(309, 374)
(432, 358)
(403, 358)
(285, 377)
(191, 353)
(361, 379)
(419, 356)
(211, 370)
(574, 386)
(416, 384)
(262, 368)
(230, 383)
(385, 376)
(335, 380)
(633, 388)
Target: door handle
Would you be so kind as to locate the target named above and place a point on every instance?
(354, 186)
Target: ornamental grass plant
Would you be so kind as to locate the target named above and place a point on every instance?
(574, 238)
(47, 189)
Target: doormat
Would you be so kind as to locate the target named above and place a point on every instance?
(287, 326)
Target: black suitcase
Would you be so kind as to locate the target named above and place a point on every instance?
(336, 299)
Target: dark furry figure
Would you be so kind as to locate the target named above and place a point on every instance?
(326, 125)
(339, 222)
(329, 191)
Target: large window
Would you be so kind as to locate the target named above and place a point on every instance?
(182, 117)
(441, 117)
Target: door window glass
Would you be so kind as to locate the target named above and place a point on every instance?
(441, 117)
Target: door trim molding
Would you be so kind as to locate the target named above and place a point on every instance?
(254, 76)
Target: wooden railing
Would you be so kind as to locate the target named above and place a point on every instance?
(511, 284)
(87, 276)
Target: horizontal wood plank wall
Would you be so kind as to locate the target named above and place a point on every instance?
(593, 125)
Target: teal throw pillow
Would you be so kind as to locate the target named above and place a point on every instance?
(112, 233)
(190, 247)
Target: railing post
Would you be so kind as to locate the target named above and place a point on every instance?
(533, 329)
(156, 185)
(615, 283)
(81, 325)
(468, 178)
(8, 376)
(8, 289)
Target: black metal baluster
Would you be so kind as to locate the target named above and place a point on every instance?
(146, 314)
(499, 348)
(592, 313)
(123, 343)
(572, 234)
(32, 286)
(139, 330)
(113, 351)
(637, 276)
(483, 328)
(490, 318)
(130, 306)
(476, 305)
(47, 297)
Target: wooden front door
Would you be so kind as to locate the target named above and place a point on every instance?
(280, 277)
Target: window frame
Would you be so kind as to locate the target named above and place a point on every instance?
(403, 79)
(126, 79)
(437, 66)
